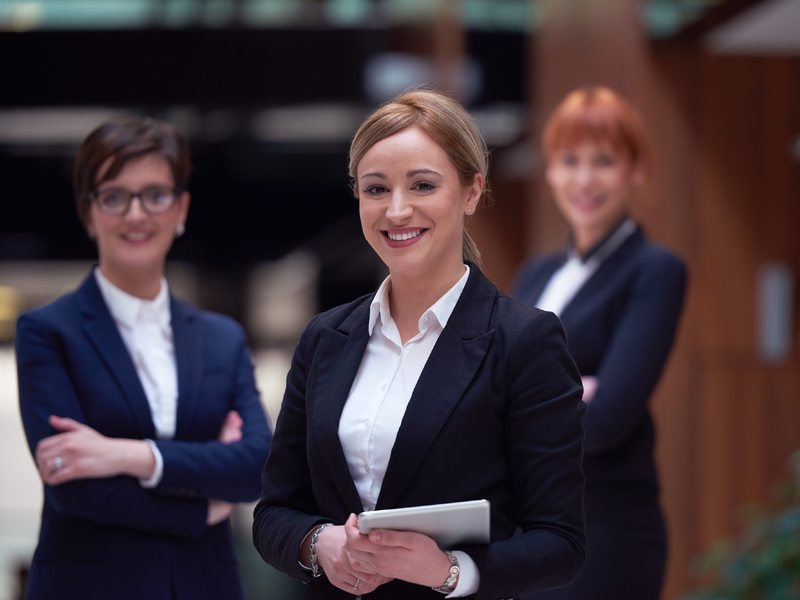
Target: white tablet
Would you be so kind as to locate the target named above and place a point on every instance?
(448, 524)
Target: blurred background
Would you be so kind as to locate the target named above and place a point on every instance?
(270, 92)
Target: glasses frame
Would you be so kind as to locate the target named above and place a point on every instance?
(94, 196)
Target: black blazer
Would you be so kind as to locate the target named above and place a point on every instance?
(111, 538)
(496, 414)
(620, 326)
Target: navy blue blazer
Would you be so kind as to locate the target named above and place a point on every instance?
(111, 538)
(496, 414)
(620, 326)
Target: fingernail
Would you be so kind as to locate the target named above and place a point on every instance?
(377, 536)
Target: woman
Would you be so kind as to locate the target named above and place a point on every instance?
(437, 388)
(141, 411)
(619, 297)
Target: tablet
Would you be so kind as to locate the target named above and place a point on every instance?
(448, 524)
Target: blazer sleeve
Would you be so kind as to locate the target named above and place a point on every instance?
(211, 469)
(46, 388)
(636, 353)
(543, 438)
(287, 509)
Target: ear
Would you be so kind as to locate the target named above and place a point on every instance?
(638, 173)
(474, 194)
(88, 221)
(183, 207)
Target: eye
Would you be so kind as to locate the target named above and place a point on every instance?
(605, 160)
(423, 186)
(158, 196)
(112, 198)
(375, 190)
(569, 159)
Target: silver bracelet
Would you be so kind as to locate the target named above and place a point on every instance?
(452, 579)
(316, 570)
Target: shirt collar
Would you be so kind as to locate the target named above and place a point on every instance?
(127, 310)
(441, 309)
(607, 245)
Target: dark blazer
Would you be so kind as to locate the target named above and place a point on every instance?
(111, 538)
(496, 414)
(620, 326)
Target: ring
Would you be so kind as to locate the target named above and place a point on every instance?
(58, 462)
(355, 587)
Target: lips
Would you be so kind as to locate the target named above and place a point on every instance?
(137, 236)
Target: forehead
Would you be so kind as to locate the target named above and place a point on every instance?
(409, 146)
(148, 168)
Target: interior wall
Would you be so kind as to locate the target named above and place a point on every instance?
(723, 194)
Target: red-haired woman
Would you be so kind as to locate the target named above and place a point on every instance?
(619, 297)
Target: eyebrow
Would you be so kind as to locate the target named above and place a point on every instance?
(379, 175)
(418, 171)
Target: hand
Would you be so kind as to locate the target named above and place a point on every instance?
(218, 511)
(405, 555)
(589, 388)
(335, 561)
(80, 452)
(231, 429)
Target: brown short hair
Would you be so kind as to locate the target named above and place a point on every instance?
(120, 140)
(600, 115)
(447, 123)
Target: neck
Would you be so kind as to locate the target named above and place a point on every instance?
(410, 296)
(586, 239)
(141, 283)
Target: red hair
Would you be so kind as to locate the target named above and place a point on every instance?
(598, 115)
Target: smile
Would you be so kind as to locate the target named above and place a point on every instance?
(401, 237)
(136, 236)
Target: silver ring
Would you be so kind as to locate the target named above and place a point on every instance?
(355, 587)
(59, 463)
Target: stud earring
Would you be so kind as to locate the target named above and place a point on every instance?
(469, 211)
(180, 230)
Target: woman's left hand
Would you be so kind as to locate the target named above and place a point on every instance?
(80, 452)
(404, 555)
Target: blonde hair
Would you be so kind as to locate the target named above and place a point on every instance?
(448, 124)
(596, 114)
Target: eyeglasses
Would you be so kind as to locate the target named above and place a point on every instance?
(116, 202)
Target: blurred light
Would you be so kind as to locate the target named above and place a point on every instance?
(387, 75)
(501, 124)
(10, 307)
(347, 12)
(21, 16)
(307, 124)
(775, 311)
(771, 27)
(51, 125)
(796, 149)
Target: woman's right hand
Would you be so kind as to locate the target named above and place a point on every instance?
(335, 562)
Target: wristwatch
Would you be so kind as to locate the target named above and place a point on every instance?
(452, 579)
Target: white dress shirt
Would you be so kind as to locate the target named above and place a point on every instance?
(380, 393)
(145, 327)
(576, 271)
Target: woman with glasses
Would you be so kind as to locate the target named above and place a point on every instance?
(140, 410)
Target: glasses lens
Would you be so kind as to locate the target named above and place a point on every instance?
(113, 202)
(158, 199)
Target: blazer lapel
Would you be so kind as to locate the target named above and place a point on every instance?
(451, 367)
(105, 337)
(338, 357)
(189, 360)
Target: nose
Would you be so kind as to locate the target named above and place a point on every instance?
(135, 208)
(399, 208)
(585, 174)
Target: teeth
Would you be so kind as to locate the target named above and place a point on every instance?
(136, 237)
(401, 237)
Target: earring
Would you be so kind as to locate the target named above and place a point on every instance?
(180, 230)
(469, 211)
